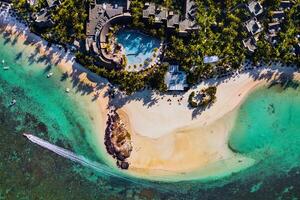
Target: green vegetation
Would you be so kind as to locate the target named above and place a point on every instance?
(69, 19)
(191, 100)
(290, 28)
(204, 98)
(221, 34)
(128, 81)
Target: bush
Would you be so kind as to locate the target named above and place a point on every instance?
(191, 102)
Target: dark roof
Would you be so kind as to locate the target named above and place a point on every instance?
(190, 9)
(173, 20)
(286, 4)
(96, 18)
(111, 12)
(278, 14)
(255, 8)
(161, 14)
(274, 27)
(297, 49)
(43, 19)
(149, 10)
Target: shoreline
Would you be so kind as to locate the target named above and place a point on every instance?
(168, 142)
(74, 71)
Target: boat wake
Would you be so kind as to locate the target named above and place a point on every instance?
(101, 168)
(72, 156)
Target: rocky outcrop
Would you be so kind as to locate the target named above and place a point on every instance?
(117, 140)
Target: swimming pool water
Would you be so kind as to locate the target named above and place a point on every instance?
(138, 46)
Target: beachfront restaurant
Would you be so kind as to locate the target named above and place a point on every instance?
(175, 79)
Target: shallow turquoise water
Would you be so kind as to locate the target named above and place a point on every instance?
(138, 46)
(43, 97)
(268, 127)
(267, 130)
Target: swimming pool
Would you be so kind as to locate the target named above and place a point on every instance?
(138, 47)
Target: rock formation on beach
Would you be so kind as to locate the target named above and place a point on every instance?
(118, 140)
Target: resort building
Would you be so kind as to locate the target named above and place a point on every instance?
(255, 8)
(297, 49)
(161, 15)
(250, 44)
(175, 79)
(171, 19)
(272, 38)
(101, 17)
(31, 2)
(253, 26)
(43, 19)
(149, 10)
(278, 15)
(52, 3)
(285, 5)
(274, 27)
(210, 59)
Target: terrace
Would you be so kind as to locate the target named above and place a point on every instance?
(43, 19)
(250, 44)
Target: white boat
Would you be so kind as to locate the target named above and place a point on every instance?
(49, 75)
(6, 68)
(13, 102)
(3, 61)
(67, 90)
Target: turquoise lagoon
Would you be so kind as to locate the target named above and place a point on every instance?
(138, 46)
(267, 129)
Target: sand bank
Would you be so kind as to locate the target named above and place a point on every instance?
(172, 139)
(168, 137)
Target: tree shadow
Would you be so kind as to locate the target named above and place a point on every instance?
(19, 56)
(64, 76)
(47, 68)
(149, 98)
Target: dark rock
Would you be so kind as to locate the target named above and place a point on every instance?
(120, 157)
(124, 165)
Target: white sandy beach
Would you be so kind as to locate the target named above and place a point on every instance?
(168, 138)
